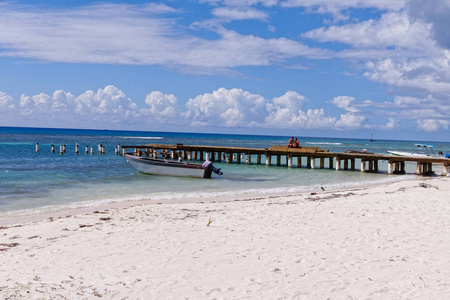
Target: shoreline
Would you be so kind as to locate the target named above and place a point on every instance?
(382, 241)
(57, 211)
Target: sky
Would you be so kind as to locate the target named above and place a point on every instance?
(311, 68)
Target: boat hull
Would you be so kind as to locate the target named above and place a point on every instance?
(165, 167)
(409, 154)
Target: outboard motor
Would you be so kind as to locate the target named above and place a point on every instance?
(209, 168)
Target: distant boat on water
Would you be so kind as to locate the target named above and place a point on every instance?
(371, 138)
(425, 151)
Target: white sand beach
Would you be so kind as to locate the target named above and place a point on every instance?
(383, 242)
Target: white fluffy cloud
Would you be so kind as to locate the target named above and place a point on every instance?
(391, 30)
(432, 125)
(228, 13)
(163, 107)
(6, 101)
(238, 108)
(335, 7)
(106, 106)
(221, 108)
(287, 112)
(224, 107)
(435, 13)
(345, 102)
(241, 3)
(407, 48)
(350, 121)
(137, 35)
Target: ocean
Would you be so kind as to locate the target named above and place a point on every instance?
(45, 181)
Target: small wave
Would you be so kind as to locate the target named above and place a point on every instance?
(143, 137)
(323, 143)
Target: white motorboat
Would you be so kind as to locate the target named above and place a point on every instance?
(425, 151)
(172, 168)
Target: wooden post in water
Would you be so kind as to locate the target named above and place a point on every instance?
(345, 164)
(446, 168)
(308, 161)
(76, 148)
(330, 163)
(419, 168)
(352, 164)
(92, 150)
(338, 163)
(278, 160)
(322, 162)
(390, 168)
(249, 159)
(258, 159)
(313, 162)
(299, 161)
(37, 147)
(268, 160)
(86, 150)
(53, 148)
(363, 165)
(397, 167)
(61, 149)
(238, 158)
(289, 161)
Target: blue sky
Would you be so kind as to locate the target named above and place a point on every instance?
(331, 68)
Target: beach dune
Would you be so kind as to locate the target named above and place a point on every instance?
(384, 242)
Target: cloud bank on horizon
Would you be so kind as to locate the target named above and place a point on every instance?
(402, 44)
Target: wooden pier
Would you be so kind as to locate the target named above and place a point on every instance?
(312, 155)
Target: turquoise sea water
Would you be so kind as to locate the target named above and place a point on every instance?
(45, 180)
